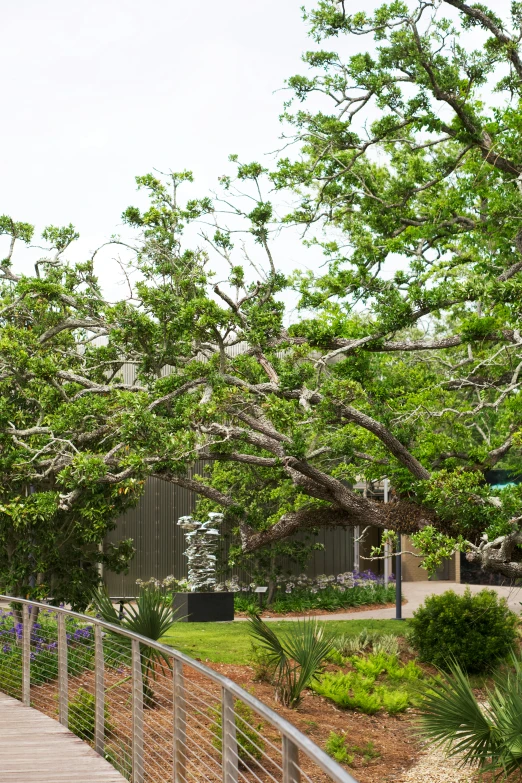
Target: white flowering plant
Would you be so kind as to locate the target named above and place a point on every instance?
(325, 592)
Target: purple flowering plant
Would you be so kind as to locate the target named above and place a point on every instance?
(43, 649)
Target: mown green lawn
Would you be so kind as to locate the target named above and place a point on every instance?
(230, 642)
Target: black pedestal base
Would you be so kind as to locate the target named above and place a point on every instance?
(204, 607)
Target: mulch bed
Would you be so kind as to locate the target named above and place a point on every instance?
(316, 717)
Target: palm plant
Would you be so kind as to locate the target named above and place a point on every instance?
(295, 656)
(488, 735)
(151, 616)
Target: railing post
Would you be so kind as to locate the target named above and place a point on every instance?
(26, 657)
(99, 716)
(63, 689)
(291, 771)
(180, 724)
(387, 547)
(137, 714)
(229, 741)
(387, 562)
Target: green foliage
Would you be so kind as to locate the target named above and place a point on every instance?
(436, 547)
(250, 744)
(328, 599)
(387, 644)
(43, 649)
(296, 655)
(336, 747)
(395, 701)
(119, 755)
(347, 645)
(475, 630)
(262, 664)
(82, 711)
(368, 751)
(465, 495)
(377, 682)
(400, 358)
(11, 676)
(151, 616)
(350, 691)
(379, 662)
(487, 736)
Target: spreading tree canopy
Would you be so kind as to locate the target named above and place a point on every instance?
(403, 359)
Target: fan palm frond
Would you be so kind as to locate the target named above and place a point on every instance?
(151, 616)
(296, 655)
(453, 719)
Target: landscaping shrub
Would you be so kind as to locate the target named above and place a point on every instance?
(44, 649)
(347, 645)
(296, 593)
(378, 682)
(262, 664)
(151, 616)
(327, 593)
(473, 630)
(82, 710)
(454, 720)
(395, 701)
(378, 663)
(374, 664)
(364, 701)
(387, 643)
(336, 747)
(296, 655)
(249, 742)
(350, 691)
(119, 755)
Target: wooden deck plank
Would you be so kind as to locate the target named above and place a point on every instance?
(37, 749)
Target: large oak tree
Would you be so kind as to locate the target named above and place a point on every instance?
(403, 361)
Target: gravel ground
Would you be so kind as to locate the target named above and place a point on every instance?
(433, 767)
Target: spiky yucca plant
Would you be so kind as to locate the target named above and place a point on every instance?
(296, 655)
(488, 735)
(151, 616)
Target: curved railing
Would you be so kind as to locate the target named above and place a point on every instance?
(170, 719)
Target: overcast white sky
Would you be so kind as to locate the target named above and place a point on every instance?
(101, 91)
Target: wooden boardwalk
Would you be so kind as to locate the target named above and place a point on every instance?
(37, 749)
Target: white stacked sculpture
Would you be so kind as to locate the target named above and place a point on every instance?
(202, 546)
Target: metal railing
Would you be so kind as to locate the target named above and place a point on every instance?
(155, 713)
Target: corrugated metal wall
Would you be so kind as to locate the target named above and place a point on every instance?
(160, 543)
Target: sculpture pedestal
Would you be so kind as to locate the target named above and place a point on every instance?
(204, 607)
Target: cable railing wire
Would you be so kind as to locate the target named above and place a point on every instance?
(154, 724)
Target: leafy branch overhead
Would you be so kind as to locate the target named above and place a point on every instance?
(403, 359)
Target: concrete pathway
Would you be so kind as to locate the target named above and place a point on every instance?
(415, 593)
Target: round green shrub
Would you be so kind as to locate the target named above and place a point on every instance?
(474, 630)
